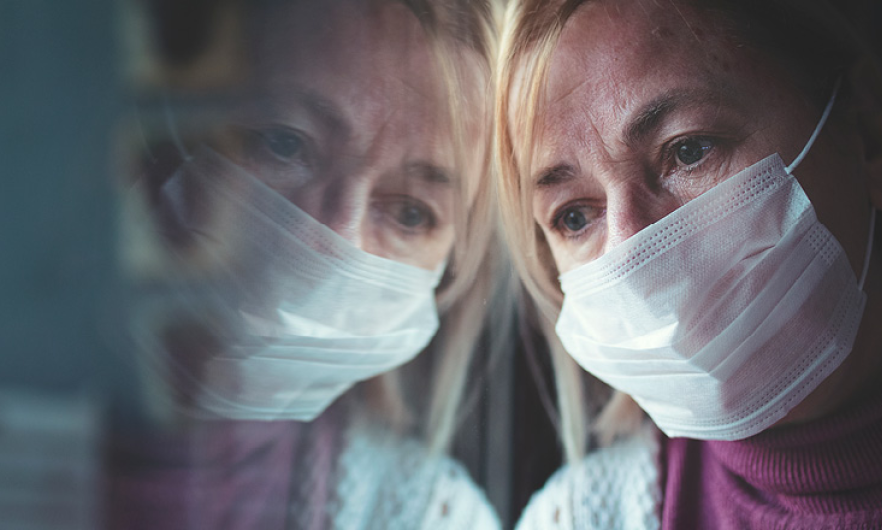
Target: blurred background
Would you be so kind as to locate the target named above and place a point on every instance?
(60, 97)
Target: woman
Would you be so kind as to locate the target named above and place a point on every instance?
(320, 222)
(694, 185)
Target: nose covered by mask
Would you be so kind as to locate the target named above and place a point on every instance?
(293, 314)
(725, 314)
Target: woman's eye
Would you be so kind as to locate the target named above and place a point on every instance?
(409, 215)
(574, 220)
(285, 145)
(691, 150)
(412, 216)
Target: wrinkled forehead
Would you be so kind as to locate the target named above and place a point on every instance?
(370, 47)
(375, 62)
(606, 36)
(605, 42)
(323, 30)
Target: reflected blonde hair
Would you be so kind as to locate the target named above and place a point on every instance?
(473, 297)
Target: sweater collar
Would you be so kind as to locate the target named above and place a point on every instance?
(836, 453)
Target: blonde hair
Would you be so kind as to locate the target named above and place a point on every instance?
(529, 37)
(472, 298)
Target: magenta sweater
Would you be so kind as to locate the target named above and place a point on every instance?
(823, 474)
(224, 475)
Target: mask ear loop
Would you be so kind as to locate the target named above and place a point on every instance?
(817, 130)
(805, 150)
(869, 249)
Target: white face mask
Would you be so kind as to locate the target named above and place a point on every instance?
(724, 315)
(298, 313)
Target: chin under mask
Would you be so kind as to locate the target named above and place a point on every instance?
(725, 314)
(278, 314)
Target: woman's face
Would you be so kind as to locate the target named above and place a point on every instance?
(345, 118)
(648, 106)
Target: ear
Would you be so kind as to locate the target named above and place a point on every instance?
(865, 80)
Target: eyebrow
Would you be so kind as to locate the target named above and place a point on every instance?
(552, 176)
(322, 107)
(328, 112)
(645, 122)
(269, 104)
(430, 173)
(650, 116)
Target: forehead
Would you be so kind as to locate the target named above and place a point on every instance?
(371, 64)
(616, 56)
(626, 50)
(367, 56)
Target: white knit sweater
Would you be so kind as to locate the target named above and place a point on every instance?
(387, 483)
(613, 488)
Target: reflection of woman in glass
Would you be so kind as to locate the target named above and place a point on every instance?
(316, 221)
(694, 187)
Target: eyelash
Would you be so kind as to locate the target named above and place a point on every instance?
(258, 150)
(557, 221)
(391, 206)
(264, 138)
(670, 164)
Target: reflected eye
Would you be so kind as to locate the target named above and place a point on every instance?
(408, 215)
(284, 144)
(412, 216)
(692, 150)
(284, 158)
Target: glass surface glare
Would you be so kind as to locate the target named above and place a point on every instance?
(253, 279)
(299, 216)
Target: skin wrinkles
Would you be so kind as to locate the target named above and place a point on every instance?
(628, 77)
(686, 21)
(645, 124)
(322, 108)
(648, 119)
(555, 176)
(323, 111)
(285, 106)
(625, 88)
(651, 116)
(355, 83)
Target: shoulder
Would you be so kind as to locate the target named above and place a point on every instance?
(389, 482)
(614, 487)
